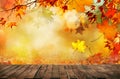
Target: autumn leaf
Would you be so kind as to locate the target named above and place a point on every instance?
(2, 21)
(111, 9)
(20, 10)
(65, 7)
(115, 19)
(115, 53)
(79, 4)
(109, 44)
(110, 4)
(11, 24)
(91, 16)
(110, 13)
(117, 38)
(109, 30)
(95, 59)
(114, 47)
(80, 29)
(117, 42)
(79, 45)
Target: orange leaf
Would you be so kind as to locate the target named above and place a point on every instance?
(20, 10)
(108, 30)
(79, 4)
(11, 24)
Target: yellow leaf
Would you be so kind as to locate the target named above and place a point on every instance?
(79, 4)
(79, 45)
(20, 10)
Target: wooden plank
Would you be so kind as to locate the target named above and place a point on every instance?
(48, 73)
(55, 72)
(63, 73)
(18, 72)
(26, 72)
(33, 71)
(12, 72)
(87, 70)
(8, 70)
(79, 74)
(91, 72)
(70, 73)
(109, 71)
(4, 68)
(41, 72)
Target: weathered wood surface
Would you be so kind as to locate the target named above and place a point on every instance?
(60, 71)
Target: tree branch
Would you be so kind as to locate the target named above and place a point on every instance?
(28, 4)
(97, 38)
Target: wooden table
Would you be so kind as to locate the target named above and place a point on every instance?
(60, 71)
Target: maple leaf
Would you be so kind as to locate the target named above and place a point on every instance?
(115, 53)
(109, 44)
(79, 4)
(11, 24)
(91, 16)
(20, 10)
(114, 47)
(110, 13)
(79, 45)
(115, 19)
(110, 5)
(2, 21)
(117, 38)
(80, 29)
(65, 7)
(108, 30)
(116, 42)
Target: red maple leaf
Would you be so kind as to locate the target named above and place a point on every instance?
(65, 7)
(110, 13)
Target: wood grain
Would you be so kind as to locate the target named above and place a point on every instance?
(105, 71)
